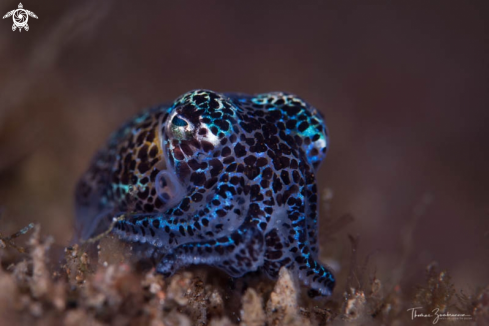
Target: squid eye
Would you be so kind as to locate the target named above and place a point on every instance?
(176, 121)
(180, 128)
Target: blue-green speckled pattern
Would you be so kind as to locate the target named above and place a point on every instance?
(227, 180)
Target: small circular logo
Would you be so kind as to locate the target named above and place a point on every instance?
(20, 17)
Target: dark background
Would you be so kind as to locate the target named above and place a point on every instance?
(403, 87)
